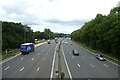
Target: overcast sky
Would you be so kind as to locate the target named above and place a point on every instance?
(58, 15)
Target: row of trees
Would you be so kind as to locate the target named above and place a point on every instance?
(101, 33)
(47, 34)
(13, 34)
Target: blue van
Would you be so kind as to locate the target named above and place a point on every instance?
(27, 47)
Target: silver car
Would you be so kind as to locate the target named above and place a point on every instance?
(100, 57)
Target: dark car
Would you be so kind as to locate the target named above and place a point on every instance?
(75, 52)
(100, 57)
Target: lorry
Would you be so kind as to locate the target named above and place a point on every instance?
(26, 48)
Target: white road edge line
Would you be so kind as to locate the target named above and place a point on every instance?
(7, 67)
(78, 65)
(53, 63)
(66, 63)
(22, 69)
(1, 62)
(38, 69)
(105, 65)
(95, 54)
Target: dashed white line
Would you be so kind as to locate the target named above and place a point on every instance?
(7, 67)
(43, 59)
(21, 69)
(32, 58)
(92, 65)
(78, 65)
(38, 69)
(66, 64)
(21, 58)
(105, 65)
(73, 57)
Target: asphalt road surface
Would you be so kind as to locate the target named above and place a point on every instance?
(86, 65)
(39, 64)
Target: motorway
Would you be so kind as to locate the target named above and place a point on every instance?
(34, 65)
(39, 64)
(86, 65)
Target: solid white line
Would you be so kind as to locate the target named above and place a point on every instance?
(95, 54)
(21, 58)
(7, 68)
(38, 69)
(105, 65)
(32, 58)
(53, 63)
(92, 65)
(22, 69)
(66, 64)
(78, 65)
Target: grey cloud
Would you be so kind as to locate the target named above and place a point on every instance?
(73, 22)
(18, 8)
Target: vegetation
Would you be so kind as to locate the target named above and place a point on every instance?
(101, 33)
(13, 34)
(47, 34)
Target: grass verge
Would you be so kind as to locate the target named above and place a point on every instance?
(9, 53)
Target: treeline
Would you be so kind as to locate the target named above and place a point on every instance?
(13, 34)
(101, 33)
(47, 34)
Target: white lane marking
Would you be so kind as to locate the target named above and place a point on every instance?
(95, 54)
(105, 65)
(49, 50)
(73, 57)
(21, 69)
(21, 58)
(43, 59)
(53, 63)
(78, 65)
(66, 64)
(7, 67)
(10, 58)
(38, 69)
(92, 65)
(32, 58)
